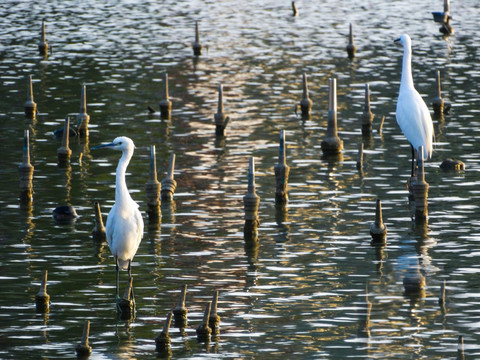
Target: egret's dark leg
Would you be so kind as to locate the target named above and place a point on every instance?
(413, 160)
(130, 276)
(116, 279)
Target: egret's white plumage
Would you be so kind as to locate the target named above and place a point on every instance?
(412, 113)
(124, 227)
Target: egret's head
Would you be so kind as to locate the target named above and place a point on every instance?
(120, 143)
(404, 39)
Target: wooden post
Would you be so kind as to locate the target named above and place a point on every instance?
(42, 299)
(351, 48)
(367, 116)
(221, 119)
(378, 230)
(180, 311)
(83, 118)
(26, 172)
(43, 45)
(98, 232)
(64, 151)
(282, 171)
(84, 349)
(197, 45)
(331, 144)
(30, 105)
(306, 102)
(162, 341)
(169, 184)
(204, 331)
(165, 103)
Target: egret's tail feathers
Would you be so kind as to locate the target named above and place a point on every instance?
(123, 264)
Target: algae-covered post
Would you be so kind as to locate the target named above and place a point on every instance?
(204, 331)
(162, 341)
(180, 311)
(214, 319)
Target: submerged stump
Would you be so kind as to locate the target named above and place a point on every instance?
(42, 299)
(180, 311)
(162, 341)
(282, 171)
(26, 172)
(331, 144)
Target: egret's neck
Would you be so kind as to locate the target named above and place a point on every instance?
(407, 79)
(121, 191)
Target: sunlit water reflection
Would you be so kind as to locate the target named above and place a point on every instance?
(301, 292)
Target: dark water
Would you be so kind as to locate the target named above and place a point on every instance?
(300, 292)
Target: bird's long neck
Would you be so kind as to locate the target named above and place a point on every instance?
(121, 191)
(407, 79)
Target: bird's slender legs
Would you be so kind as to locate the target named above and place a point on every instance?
(413, 160)
(117, 298)
(129, 277)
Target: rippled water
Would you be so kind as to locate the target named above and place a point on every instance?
(300, 293)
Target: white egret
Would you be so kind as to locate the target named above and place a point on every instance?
(413, 115)
(124, 227)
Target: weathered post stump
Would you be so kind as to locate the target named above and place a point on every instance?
(42, 299)
(351, 48)
(214, 319)
(64, 152)
(162, 341)
(197, 45)
(331, 144)
(180, 311)
(420, 189)
(367, 116)
(169, 184)
(294, 8)
(83, 118)
(306, 102)
(26, 172)
(282, 171)
(98, 232)
(165, 103)
(126, 305)
(42, 44)
(153, 186)
(221, 119)
(438, 102)
(378, 230)
(84, 349)
(204, 331)
(251, 201)
(30, 105)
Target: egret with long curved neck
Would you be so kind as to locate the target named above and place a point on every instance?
(413, 115)
(124, 227)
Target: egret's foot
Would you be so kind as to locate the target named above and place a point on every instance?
(117, 302)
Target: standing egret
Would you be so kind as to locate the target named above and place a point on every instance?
(413, 115)
(124, 222)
